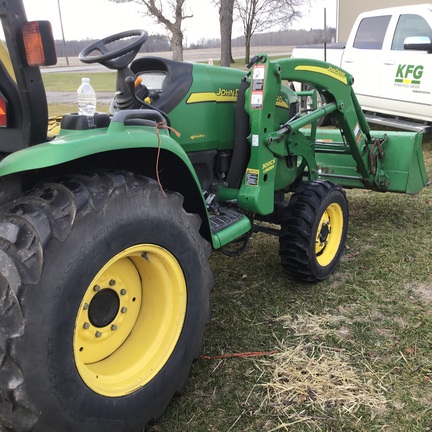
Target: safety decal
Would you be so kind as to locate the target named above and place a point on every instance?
(257, 94)
(358, 133)
(252, 177)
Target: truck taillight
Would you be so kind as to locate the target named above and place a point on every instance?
(3, 111)
(39, 43)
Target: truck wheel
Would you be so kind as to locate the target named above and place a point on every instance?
(314, 231)
(104, 290)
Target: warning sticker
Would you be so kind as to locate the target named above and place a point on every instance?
(252, 177)
(255, 140)
(258, 87)
(358, 133)
(257, 99)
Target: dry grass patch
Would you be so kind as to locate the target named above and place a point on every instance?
(422, 290)
(311, 380)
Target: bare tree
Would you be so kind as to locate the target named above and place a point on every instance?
(261, 15)
(169, 13)
(226, 17)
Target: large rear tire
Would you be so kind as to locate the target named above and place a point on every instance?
(314, 231)
(104, 287)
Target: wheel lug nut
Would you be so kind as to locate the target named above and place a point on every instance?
(123, 292)
(86, 326)
(123, 310)
(86, 306)
(113, 327)
(112, 282)
(98, 334)
(96, 288)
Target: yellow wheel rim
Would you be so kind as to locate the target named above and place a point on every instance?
(130, 320)
(329, 234)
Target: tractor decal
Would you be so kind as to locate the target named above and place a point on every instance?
(222, 96)
(330, 71)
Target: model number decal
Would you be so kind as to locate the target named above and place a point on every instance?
(268, 166)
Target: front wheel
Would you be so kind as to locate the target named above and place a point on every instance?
(314, 231)
(107, 285)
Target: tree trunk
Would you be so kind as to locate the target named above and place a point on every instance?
(248, 37)
(177, 44)
(226, 23)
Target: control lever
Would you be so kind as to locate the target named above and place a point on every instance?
(130, 84)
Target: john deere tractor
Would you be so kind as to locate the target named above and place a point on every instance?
(106, 229)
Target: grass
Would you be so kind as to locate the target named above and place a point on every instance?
(70, 81)
(354, 353)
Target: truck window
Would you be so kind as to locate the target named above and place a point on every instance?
(410, 25)
(371, 32)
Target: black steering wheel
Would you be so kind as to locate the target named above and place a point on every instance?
(119, 58)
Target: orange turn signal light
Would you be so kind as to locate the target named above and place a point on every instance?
(33, 44)
(39, 43)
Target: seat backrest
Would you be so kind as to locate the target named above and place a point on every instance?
(12, 133)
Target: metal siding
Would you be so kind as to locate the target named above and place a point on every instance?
(348, 11)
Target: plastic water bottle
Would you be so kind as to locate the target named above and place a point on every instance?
(86, 98)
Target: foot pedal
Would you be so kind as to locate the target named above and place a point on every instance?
(226, 218)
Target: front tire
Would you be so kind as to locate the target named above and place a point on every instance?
(314, 231)
(108, 282)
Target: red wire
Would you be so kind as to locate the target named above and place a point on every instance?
(242, 355)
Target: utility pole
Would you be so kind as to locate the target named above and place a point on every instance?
(62, 30)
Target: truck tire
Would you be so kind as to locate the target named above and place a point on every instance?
(104, 296)
(314, 230)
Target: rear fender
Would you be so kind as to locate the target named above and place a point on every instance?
(141, 149)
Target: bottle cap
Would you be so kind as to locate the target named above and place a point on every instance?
(85, 80)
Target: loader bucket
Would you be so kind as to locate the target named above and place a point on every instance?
(402, 163)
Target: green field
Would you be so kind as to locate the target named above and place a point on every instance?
(70, 81)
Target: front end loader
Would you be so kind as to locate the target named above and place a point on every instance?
(106, 228)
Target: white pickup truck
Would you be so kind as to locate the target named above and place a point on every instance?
(389, 53)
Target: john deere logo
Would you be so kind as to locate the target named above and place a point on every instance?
(409, 75)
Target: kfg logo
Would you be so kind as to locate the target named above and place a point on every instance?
(405, 71)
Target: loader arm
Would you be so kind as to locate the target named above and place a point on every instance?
(336, 85)
(280, 159)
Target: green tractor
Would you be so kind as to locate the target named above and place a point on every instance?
(106, 229)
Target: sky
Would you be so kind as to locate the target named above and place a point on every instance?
(96, 19)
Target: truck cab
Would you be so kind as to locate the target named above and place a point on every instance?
(389, 54)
